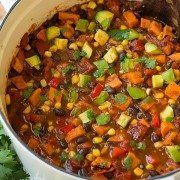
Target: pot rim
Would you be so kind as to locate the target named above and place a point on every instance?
(34, 153)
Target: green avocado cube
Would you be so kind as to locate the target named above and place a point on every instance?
(174, 152)
(157, 81)
(168, 76)
(83, 80)
(87, 116)
(87, 49)
(167, 114)
(52, 32)
(82, 25)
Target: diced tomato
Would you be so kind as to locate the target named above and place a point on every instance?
(156, 120)
(54, 82)
(65, 129)
(116, 152)
(96, 91)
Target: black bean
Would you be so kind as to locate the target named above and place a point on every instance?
(81, 139)
(63, 143)
(57, 56)
(87, 127)
(110, 90)
(59, 112)
(168, 64)
(177, 111)
(105, 137)
(82, 13)
(153, 173)
(38, 111)
(155, 137)
(122, 55)
(55, 18)
(83, 172)
(83, 151)
(77, 34)
(109, 175)
(133, 111)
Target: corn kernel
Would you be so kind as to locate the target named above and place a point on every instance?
(125, 42)
(48, 54)
(75, 79)
(105, 105)
(79, 44)
(50, 123)
(158, 144)
(43, 83)
(57, 105)
(111, 132)
(30, 83)
(48, 103)
(72, 154)
(97, 140)
(73, 46)
(177, 74)
(160, 36)
(101, 79)
(172, 101)
(84, 6)
(53, 49)
(24, 128)
(58, 150)
(90, 157)
(138, 171)
(96, 44)
(57, 74)
(158, 68)
(8, 99)
(96, 152)
(27, 110)
(100, 1)
(50, 128)
(134, 121)
(158, 95)
(119, 48)
(141, 37)
(129, 55)
(123, 27)
(45, 108)
(70, 106)
(149, 167)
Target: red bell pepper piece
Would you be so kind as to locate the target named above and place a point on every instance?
(156, 120)
(65, 129)
(96, 91)
(54, 82)
(116, 152)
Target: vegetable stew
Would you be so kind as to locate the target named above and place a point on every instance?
(95, 90)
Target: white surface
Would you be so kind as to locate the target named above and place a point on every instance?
(7, 4)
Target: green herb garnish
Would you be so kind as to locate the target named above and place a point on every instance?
(128, 162)
(149, 63)
(27, 92)
(67, 69)
(79, 54)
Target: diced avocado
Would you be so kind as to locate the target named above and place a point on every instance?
(167, 114)
(61, 43)
(83, 80)
(34, 61)
(103, 119)
(152, 49)
(87, 49)
(101, 37)
(174, 152)
(104, 18)
(82, 25)
(127, 65)
(52, 32)
(101, 64)
(120, 98)
(111, 55)
(133, 34)
(157, 81)
(99, 73)
(92, 26)
(101, 98)
(168, 76)
(123, 120)
(136, 93)
(87, 116)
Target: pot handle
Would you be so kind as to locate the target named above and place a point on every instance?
(7, 4)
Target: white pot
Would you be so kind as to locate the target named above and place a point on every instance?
(20, 18)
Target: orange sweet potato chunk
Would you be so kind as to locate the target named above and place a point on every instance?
(173, 91)
(19, 82)
(131, 19)
(113, 81)
(155, 28)
(145, 23)
(35, 97)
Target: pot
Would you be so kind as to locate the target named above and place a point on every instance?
(23, 15)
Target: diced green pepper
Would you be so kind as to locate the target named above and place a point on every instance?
(133, 34)
(101, 64)
(174, 152)
(34, 61)
(92, 26)
(83, 80)
(168, 76)
(101, 98)
(52, 32)
(128, 161)
(127, 65)
(87, 49)
(123, 120)
(87, 116)
(167, 114)
(64, 157)
(82, 25)
(103, 119)
(136, 93)
(73, 95)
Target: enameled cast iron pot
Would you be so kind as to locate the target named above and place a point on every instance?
(20, 18)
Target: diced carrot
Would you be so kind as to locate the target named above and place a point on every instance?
(49, 148)
(67, 31)
(173, 91)
(42, 35)
(135, 160)
(145, 23)
(166, 127)
(130, 18)
(167, 49)
(100, 130)
(35, 97)
(170, 137)
(100, 160)
(64, 16)
(124, 105)
(33, 143)
(161, 59)
(155, 28)
(133, 77)
(175, 57)
(17, 64)
(55, 95)
(19, 82)
(167, 31)
(74, 133)
(113, 81)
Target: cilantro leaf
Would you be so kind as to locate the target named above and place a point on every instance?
(118, 34)
(128, 162)
(43, 98)
(149, 63)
